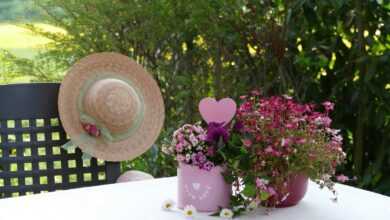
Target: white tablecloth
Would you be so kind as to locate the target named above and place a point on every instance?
(143, 200)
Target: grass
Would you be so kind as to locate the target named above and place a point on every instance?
(21, 41)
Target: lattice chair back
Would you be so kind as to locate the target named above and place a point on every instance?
(31, 158)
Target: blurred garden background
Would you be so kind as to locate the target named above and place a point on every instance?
(313, 50)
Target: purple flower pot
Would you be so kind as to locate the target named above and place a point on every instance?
(207, 191)
(296, 187)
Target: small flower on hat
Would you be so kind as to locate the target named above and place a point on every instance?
(91, 129)
(189, 211)
(226, 213)
(168, 205)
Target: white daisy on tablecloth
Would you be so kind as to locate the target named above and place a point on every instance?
(226, 213)
(189, 211)
(168, 205)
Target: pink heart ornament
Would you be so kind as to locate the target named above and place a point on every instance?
(221, 111)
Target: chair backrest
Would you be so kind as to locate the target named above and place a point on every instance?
(31, 136)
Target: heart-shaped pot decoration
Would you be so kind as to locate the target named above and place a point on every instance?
(221, 111)
(196, 186)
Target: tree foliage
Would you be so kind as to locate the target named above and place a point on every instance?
(11, 10)
(314, 50)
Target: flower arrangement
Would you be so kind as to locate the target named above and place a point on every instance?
(199, 150)
(281, 138)
(269, 142)
(193, 145)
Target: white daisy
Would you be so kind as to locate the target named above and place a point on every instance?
(226, 213)
(168, 205)
(189, 211)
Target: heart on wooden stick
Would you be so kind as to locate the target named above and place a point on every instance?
(221, 111)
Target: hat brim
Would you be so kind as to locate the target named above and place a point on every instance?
(148, 131)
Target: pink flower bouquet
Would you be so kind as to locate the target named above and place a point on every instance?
(189, 146)
(283, 143)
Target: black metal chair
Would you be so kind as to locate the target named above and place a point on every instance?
(31, 158)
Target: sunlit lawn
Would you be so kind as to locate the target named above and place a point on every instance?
(21, 42)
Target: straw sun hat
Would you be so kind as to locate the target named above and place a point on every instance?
(110, 107)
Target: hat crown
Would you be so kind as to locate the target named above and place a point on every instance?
(113, 103)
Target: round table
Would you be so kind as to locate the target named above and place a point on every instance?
(143, 200)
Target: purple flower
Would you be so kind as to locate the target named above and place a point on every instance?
(271, 191)
(202, 137)
(179, 147)
(261, 183)
(180, 158)
(194, 159)
(198, 129)
(180, 137)
(238, 126)
(194, 140)
(216, 131)
(208, 166)
(198, 158)
(329, 106)
(210, 151)
(201, 157)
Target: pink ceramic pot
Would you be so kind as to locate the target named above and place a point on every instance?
(207, 191)
(297, 187)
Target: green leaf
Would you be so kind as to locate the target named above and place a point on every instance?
(264, 196)
(243, 150)
(235, 140)
(249, 179)
(249, 190)
(245, 163)
(229, 178)
(236, 164)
